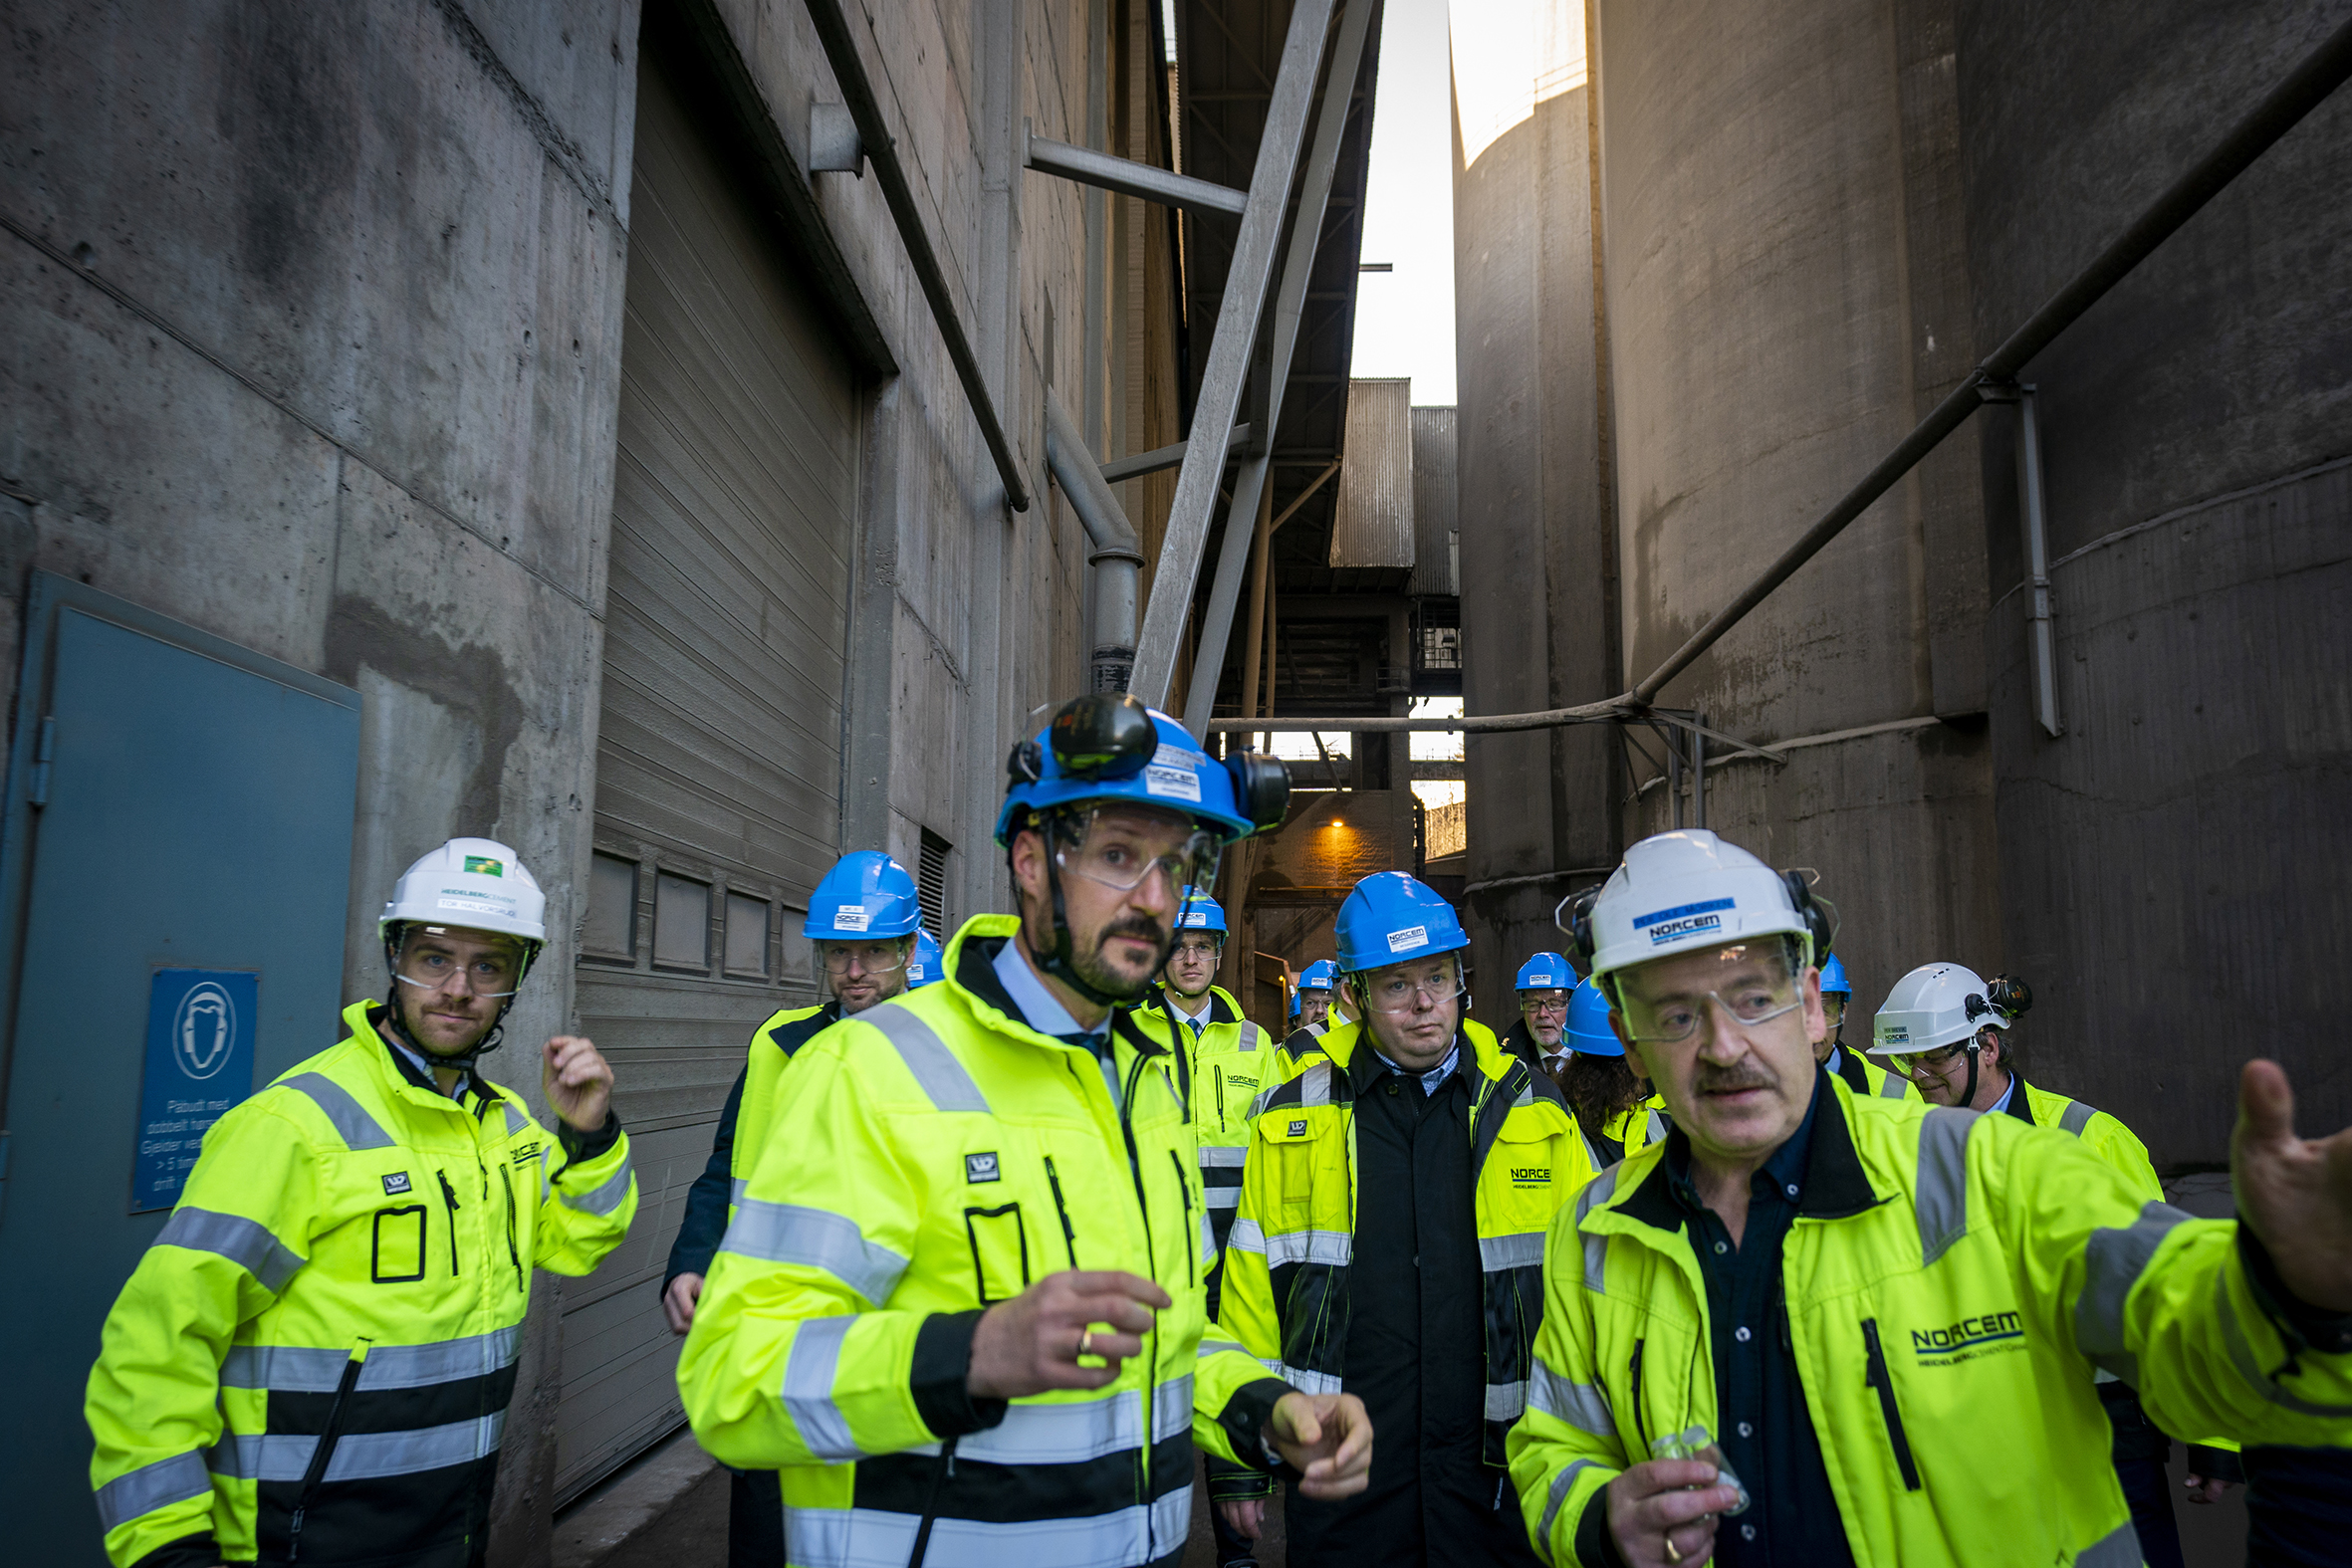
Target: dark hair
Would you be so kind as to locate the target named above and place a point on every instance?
(1600, 1088)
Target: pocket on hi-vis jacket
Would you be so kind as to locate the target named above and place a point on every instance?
(999, 1252)
(397, 1252)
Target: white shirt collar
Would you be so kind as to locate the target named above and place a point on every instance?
(1198, 1016)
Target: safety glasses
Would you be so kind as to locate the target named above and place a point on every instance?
(1909, 1063)
(1116, 852)
(1400, 996)
(1198, 947)
(837, 958)
(1671, 1023)
(437, 972)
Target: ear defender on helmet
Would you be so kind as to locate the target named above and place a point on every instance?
(1818, 914)
(1260, 787)
(1573, 916)
(2008, 996)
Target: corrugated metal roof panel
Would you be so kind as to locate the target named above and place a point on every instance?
(1374, 527)
(1435, 514)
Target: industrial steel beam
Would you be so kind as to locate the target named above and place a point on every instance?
(1228, 364)
(1290, 305)
(1128, 177)
(873, 134)
(1160, 456)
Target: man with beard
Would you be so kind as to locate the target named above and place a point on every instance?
(313, 1359)
(1390, 1242)
(865, 921)
(960, 1305)
(1817, 1329)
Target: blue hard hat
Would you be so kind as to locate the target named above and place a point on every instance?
(1109, 747)
(1588, 1032)
(1200, 912)
(1833, 977)
(1294, 1007)
(1322, 975)
(1545, 972)
(865, 896)
(928, 966)
(1391, 918)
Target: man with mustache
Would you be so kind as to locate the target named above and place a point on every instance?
(1821, 1328)
(1390, 1241)
(961, 1304)
(865, 921)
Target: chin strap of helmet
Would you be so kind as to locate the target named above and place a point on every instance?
(1061, 963)
(1967, 1098)
(492, 1037)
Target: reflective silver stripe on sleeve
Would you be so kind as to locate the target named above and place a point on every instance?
(735, 1188)
(1306, 1382)
(818, 1238)
(1251, 1035)
(1333, 1247)
(2118, 1548)
(934, 1066)
(1596, 1262)
(152, 1486)
(2113, 1261)
(245, 1242)
(359, 1455)
(2073, 1119)
(1596, 1192)
(516, 1121)
(1557, 1495)
(1942, 1196)
(1246, 1237)
(809, 1389)
(1222, 1196)
(862, 1537)
(1211, 1346)
(602, 1198)
(306, 1369)
(1220, 1157)
(1657, 1128)
(1208, 1242)
(358, 1129)
(1580, 1405)
(2242, 1355)
(1524, 1251)
(1505, 1401)
(1893, 1087)
(1314, 1085)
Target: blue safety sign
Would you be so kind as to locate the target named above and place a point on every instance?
(199, 1064)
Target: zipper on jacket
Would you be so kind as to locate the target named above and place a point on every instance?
(1640, 1425)
(1069, 1237)
(449, 1197)
(506, 1181)
(1151, 1338)
(1877, 1377)
(324, 1453)
(1192, 1254)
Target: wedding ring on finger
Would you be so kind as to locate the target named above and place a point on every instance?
(1085, 1341)
(1672, 1555)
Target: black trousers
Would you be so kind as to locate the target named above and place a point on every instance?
(2141, 1452)
(754, 1520)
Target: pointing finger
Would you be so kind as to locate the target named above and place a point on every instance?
(2266, 1103)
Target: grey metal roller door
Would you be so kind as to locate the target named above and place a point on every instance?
(718, 763)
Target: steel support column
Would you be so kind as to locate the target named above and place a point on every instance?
(1228, 366)
(1290, 305)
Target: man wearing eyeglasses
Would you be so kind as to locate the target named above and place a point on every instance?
(1821, 1328)
(1539, 1038)
(864, 916)
(961, 1303)
(1390, 1241)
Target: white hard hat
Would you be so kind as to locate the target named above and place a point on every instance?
(477, 883)
(1935, 1004)
(1685, 890)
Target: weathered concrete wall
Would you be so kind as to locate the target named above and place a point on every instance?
(2169, 864)
(1536, 559)
(1783, 298)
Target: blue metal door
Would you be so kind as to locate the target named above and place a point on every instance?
(173, 891)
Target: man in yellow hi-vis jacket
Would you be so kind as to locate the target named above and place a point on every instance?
(312, 1361)
(1390, 1241)
(960, 1305)
(1825, 1328)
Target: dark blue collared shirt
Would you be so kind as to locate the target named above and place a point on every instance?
(1766, 1433)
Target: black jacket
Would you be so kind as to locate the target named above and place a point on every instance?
(705, 1224)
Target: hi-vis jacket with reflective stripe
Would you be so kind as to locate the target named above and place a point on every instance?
(2100, 1133)
(1232, 1063)
(1866, 1076)
(936, 1154)
(1286, 1272)
(774, 1044)
(1950, 1280)
(322, 1339)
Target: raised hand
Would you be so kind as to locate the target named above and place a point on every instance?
(2296, 1193)
(1044, 1337)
